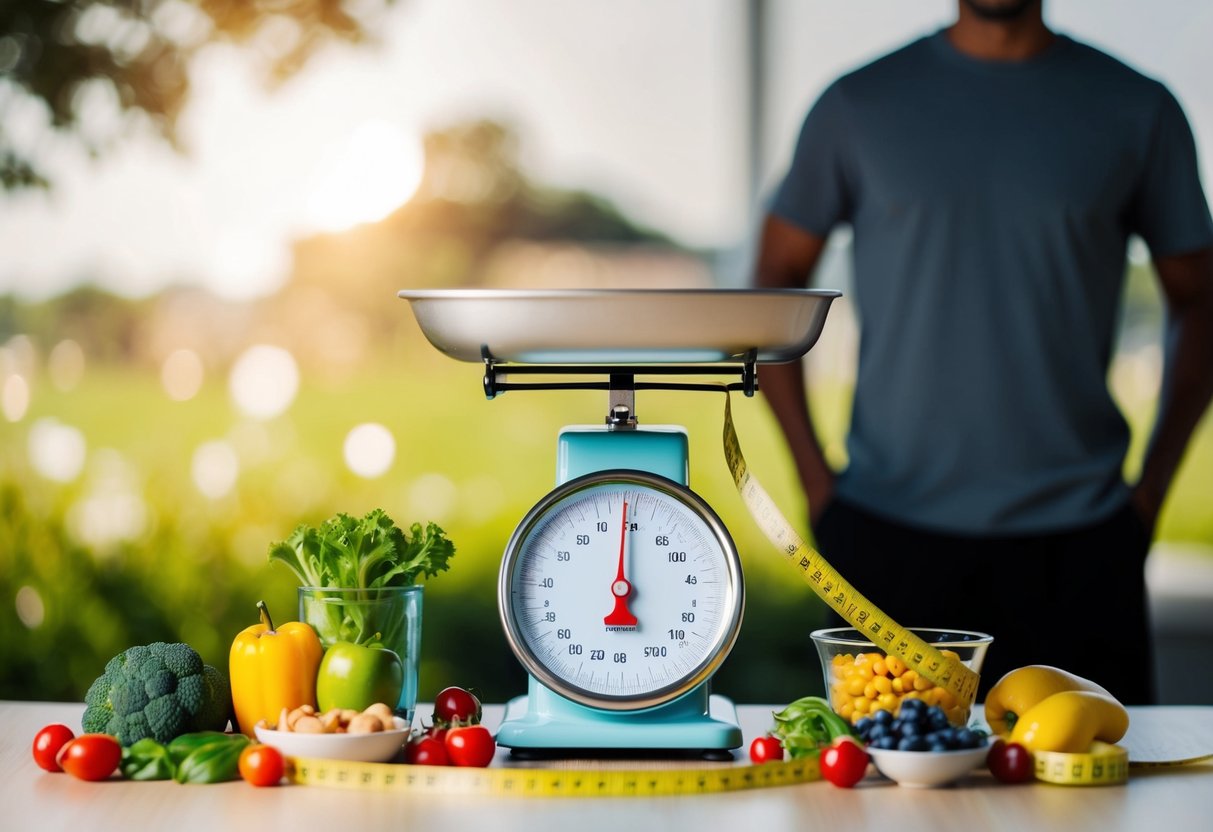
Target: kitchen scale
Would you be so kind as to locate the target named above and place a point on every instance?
(621, 591)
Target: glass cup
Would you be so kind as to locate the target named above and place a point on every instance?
(388, 617)
(851, 664)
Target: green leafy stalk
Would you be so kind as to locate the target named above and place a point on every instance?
(370, 553)
(808, 725)
(200, 757)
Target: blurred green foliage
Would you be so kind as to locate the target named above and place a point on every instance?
(197, 567)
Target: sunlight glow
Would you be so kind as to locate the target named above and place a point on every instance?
(374, 174)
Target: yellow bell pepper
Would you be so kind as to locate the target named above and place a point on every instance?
(1070, 721)
(272, 669)
(1023, 688)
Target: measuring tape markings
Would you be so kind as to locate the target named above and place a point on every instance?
(826, 581)
(1107, 766)
(548, 782)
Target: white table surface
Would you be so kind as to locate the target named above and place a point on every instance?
(1177, 798)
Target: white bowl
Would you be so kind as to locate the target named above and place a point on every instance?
(923, 769)
(366, 748)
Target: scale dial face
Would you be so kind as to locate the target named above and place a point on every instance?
(621, 590)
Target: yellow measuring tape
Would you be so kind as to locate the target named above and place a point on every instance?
(855, 609)
(1105, 766)
(550, 782)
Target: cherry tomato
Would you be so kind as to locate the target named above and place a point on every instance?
(844, 763)
(261, 765)
(438, 733)
(1010, 762)
(90, 756)
(456, 705)
(427, 751)
(47, 743)
(766, 749)
(470, 745)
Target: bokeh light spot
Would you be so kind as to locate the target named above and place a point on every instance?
(113, 510)
(433, 496)
(14, 397)
(264, 381)
(66, 364)
(215, 468)
(56, 450)
(103, 519)
(370, 450)
(181, 375)
(30, 608)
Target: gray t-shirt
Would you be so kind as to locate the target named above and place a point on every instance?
(991, 204)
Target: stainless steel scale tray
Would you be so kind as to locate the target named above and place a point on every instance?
(621, 326)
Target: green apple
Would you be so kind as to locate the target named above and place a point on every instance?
(355, 676)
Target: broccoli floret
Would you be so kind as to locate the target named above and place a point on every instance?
(216, 708)
(157, 690)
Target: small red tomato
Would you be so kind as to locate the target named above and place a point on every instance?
(844, 763)
(470, 745)
(1010, 762)
(90, 756)
(427, 751)
(766, 749)
(47, 743)
(456, 705)
(438, 733)
(261, 765)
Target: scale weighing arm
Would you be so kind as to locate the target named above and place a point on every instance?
(621, 591)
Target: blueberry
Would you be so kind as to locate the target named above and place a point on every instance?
(882, 717)
(912, 706)
(887, 742)
(936, 718)
(879, 731)
(939, 746)
(912, 728)
(968, 738)
(863, 725)
(913, 744)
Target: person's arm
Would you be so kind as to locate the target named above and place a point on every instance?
(786, 258)
(1187, 386)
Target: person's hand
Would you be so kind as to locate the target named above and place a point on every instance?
(819, 490)
(1147, 507)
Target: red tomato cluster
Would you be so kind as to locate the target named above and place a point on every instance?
(843, 762)
(457, 737)
(88, 756)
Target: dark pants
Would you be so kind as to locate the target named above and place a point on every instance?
(1075, 599)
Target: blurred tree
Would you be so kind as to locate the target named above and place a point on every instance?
(66, 65)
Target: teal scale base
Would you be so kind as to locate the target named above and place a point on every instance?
(545, 723)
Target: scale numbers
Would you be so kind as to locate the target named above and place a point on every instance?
(621, 590)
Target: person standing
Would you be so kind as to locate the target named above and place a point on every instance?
(992, 174)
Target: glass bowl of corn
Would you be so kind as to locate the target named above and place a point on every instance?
(861, 679)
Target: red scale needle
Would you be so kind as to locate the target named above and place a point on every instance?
(621, 588)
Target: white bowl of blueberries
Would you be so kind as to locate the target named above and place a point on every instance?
(919, 747)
